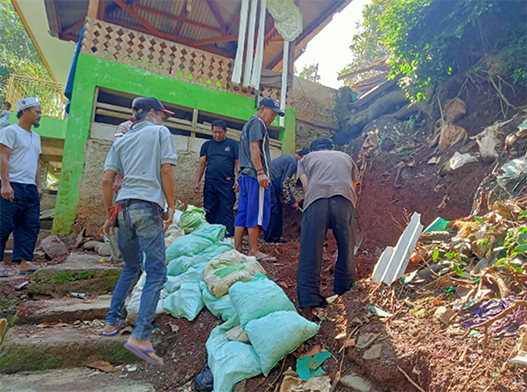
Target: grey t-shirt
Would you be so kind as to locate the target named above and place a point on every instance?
(329, 173)
(138, 155)
(253, 131)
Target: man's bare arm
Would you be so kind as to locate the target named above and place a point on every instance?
(107, 189)
(169, 184)
(303, 180)
(7, 191)
(199, 172)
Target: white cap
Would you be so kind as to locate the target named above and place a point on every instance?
(26, 103)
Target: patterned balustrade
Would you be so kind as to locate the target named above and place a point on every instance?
(137, 49)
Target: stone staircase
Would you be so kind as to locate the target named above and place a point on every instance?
(52, 340)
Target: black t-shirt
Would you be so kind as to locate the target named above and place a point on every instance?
(221, 158)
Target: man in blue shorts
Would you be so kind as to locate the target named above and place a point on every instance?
(254, 202)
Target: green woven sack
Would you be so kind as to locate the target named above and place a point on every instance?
(192, 218)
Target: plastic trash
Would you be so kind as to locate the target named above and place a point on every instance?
(308, 367)
(258, 298)
(278, 334)
(204, 381)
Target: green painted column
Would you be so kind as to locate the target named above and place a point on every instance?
(77, 133)
(288, 135)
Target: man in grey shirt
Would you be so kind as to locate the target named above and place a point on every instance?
(145, 156)
(329, 179)
(254, 201)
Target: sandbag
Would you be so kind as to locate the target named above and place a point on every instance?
(238, 334)
(215, 250)
(228, 268)
(278, 334)
(132, 307)
(185, 302)
(194, 274)
(450, 135)
(258, 298)
(192, 218)
(219, 307)
(188, 245)
(455, 109)
(215, 233)
(230, 361)
(183, 263)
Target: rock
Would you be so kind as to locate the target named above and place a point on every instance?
(374, 352)
(54, 247)
(444, 314)
(104, 249)
(356, 383)
(92, 245)
(367, 339)
(424, 273)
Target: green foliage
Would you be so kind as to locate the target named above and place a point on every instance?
(429, 40)
(366, 47)
(19, 55)
(310, 72)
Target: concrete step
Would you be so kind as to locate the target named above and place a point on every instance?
(80, 273)
(72, 380)
(67, 310)
(28, 348)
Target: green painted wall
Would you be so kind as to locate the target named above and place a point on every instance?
(92, 72)
(49, 126)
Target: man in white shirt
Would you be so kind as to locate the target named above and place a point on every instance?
(20, 186)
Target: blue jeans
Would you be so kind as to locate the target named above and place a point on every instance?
(140, 230)
(22, 218)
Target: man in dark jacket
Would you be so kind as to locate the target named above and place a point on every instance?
(283, 169)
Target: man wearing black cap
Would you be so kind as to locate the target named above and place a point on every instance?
(145, 156)
(283, 169)
(254, 201)
(329, 179)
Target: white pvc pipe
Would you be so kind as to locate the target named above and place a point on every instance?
(258, 58)
(250, 44)
(238, 62)
(283, 93)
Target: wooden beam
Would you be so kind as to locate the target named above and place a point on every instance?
(153, 11)
(75, 26)
(136, 16)
(101, 10)
(236, 19)
(269, 36)
(215, 40)
(214, 8)
(57, 17)
(51, 158)
(181, 19)
(92, 9)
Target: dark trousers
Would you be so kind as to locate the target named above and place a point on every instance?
(274, 230)
(22, 218)
(219, 200)
(336, 213)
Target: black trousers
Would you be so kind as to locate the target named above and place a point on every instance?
(274, 230)
(22, 218)
(219, 200)
(336, 213)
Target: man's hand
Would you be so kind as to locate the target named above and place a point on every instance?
(168, 218)
(263, 180)
(107, 229)
(236, 187)
(196, 187)
(295, 205)
(118, 183)
(40, 192)
(7, 192)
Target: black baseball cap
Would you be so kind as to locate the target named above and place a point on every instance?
(272, 104)
(144, 105)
